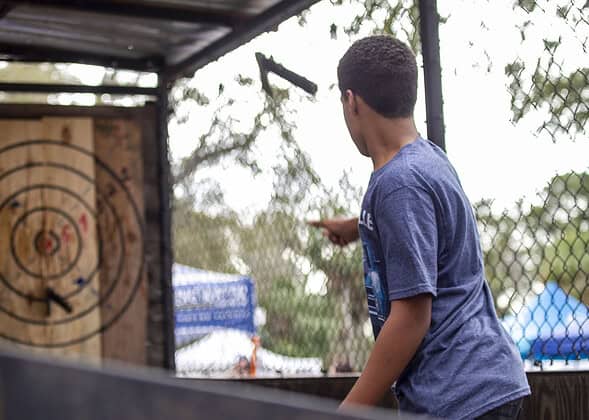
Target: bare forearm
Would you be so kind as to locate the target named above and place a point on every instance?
(397, 342)
(352, 227)
(339, 231)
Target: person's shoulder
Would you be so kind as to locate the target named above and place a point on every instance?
(401, 174)
(425, 156)
(416, 166)
(427, 165)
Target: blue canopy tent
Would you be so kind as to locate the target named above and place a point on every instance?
(205, 301)
(552, 325)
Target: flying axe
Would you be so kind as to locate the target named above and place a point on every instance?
(268, 65)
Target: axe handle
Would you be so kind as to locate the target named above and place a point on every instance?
(269, 65)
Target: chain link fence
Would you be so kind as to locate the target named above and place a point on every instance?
(557, 81)
(310, 313)
(537, 250)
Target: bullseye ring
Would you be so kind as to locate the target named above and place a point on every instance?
(47, 242)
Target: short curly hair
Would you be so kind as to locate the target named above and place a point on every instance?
(382, 70)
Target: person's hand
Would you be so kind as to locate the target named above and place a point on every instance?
(339, 231)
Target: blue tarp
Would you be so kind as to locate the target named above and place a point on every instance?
(205, 301)
(551, 325)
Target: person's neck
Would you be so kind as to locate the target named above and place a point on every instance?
(386, 138)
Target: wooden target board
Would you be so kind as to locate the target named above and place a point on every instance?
(71, 234)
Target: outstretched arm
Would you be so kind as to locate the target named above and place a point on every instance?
(339, 231)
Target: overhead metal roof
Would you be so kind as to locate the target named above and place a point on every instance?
(175, 37)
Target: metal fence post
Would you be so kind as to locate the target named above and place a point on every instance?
(430, 46)
(165, 223)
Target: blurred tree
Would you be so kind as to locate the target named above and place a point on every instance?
(203, 240)
(63, 73)
(549, 85)
(298, 322)
(542, 243)
(276, 246)
(343, 270)
(566, 248)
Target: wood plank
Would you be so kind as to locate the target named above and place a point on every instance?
(118, 143)
(557, 396)
(48, 241)
(145, 118)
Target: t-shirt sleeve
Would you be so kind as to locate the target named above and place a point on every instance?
(408, 234)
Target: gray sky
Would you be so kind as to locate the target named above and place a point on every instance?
(494, 158)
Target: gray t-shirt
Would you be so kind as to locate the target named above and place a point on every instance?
(419, 235)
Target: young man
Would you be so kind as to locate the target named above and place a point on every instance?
(437, 333)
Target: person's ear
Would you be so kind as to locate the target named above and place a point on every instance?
(352, 101)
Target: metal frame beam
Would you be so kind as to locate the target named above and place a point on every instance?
(266, 21)
(144, 10)
(166, 250)
(430, 46)
(245, 31)
(53, 88)
(36, 54)
(4, 9)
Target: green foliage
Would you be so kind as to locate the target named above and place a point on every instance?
(540, 243)
(521, 246)
(345, 286)
(225, 138)
(548, 87)
(282, 254)
(527, 5)
(202, 240)
(563, 94)
(399, 19)
(298, 323)
(566, 255)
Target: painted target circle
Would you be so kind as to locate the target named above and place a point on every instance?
(12, 200)
(45, 243)
(56, 224)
